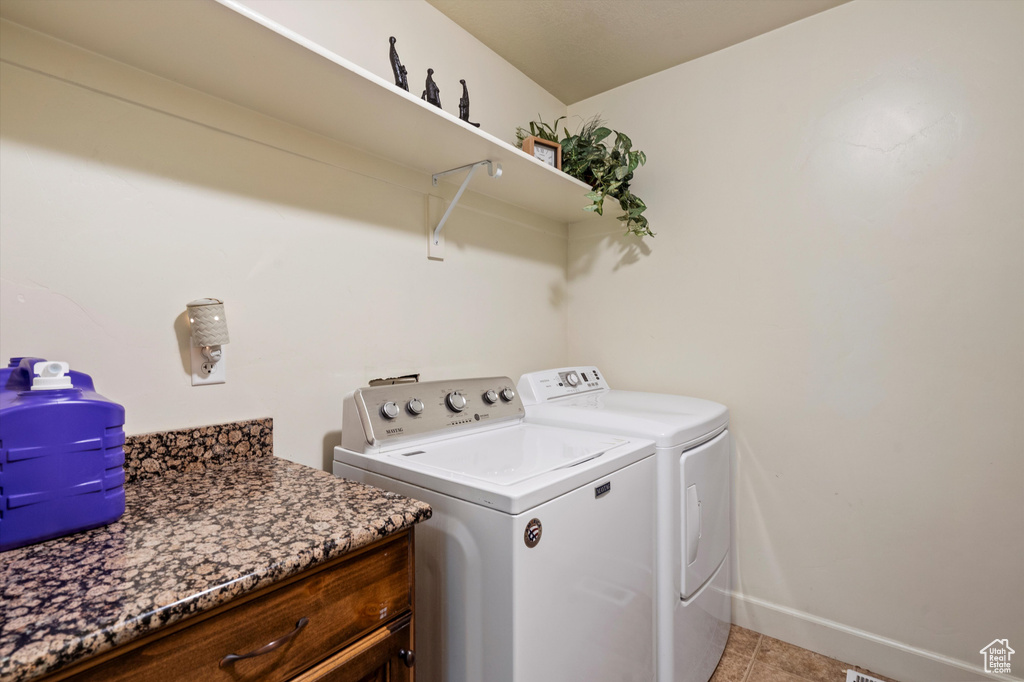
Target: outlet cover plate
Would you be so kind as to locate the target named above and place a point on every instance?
(200, 378)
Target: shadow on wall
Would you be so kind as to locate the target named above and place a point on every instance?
(183, 332)
(331, 438)
(278, 164)
(72, 119)
(631, 250)
(557, 295)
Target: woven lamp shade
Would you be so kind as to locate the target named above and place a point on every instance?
(209, 325)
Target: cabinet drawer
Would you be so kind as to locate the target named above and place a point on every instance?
(378, 657)
(339, 603)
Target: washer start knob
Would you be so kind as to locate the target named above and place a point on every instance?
(415, 406)
(572, 378)
(507, 394)
(389, 410)
(490, 397)
(456, 401)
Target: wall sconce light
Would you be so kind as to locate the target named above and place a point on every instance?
(209, 333)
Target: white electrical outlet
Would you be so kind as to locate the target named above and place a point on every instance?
(205, 372)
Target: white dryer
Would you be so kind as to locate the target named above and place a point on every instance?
(693, 603)
(537, 564)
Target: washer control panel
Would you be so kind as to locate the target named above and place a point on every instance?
(539, 387)
(393, 413)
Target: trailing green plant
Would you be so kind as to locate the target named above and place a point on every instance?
(604, 159)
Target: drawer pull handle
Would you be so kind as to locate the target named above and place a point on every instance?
(408, 657)
(266, 648)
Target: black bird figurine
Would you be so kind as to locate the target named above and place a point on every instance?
(432, 94)
(401, 79)
(464, 105)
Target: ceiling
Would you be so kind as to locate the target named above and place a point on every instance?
(578, 48)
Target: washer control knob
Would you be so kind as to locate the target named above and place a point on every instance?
(572, 378)
(490, 397)
(456, 401)
(389, 410)
(507, 394)
(415, 406)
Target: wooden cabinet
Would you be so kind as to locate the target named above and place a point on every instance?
(384, 656)
(349, 620)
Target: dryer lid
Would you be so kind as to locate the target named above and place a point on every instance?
(669, 420)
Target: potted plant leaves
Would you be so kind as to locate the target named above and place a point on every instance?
(604, 159)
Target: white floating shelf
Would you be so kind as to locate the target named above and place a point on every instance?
(226, 50)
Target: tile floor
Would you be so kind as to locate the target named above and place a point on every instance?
(752, 657)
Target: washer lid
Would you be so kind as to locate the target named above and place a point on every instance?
(509, 469)
(669, 420)
(511, 456)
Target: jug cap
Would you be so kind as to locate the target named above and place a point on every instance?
(50, 376)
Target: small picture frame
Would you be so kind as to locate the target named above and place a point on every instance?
(544, 151)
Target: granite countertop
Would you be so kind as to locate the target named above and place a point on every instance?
(190, 540)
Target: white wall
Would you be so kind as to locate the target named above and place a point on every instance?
(839, 208)
(125, 196)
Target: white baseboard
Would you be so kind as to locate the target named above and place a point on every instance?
(856, 647)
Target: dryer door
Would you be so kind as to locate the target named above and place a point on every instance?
(704, 489)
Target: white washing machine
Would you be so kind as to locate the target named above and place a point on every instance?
(693, 601)
(538, 562)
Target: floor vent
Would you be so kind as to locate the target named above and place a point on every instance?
(854, 676)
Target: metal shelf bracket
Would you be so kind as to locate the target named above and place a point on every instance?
(493, 169)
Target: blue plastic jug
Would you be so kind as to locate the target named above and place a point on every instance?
(61, 453)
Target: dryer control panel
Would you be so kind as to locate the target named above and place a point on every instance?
(394, 414)
(549, 384)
